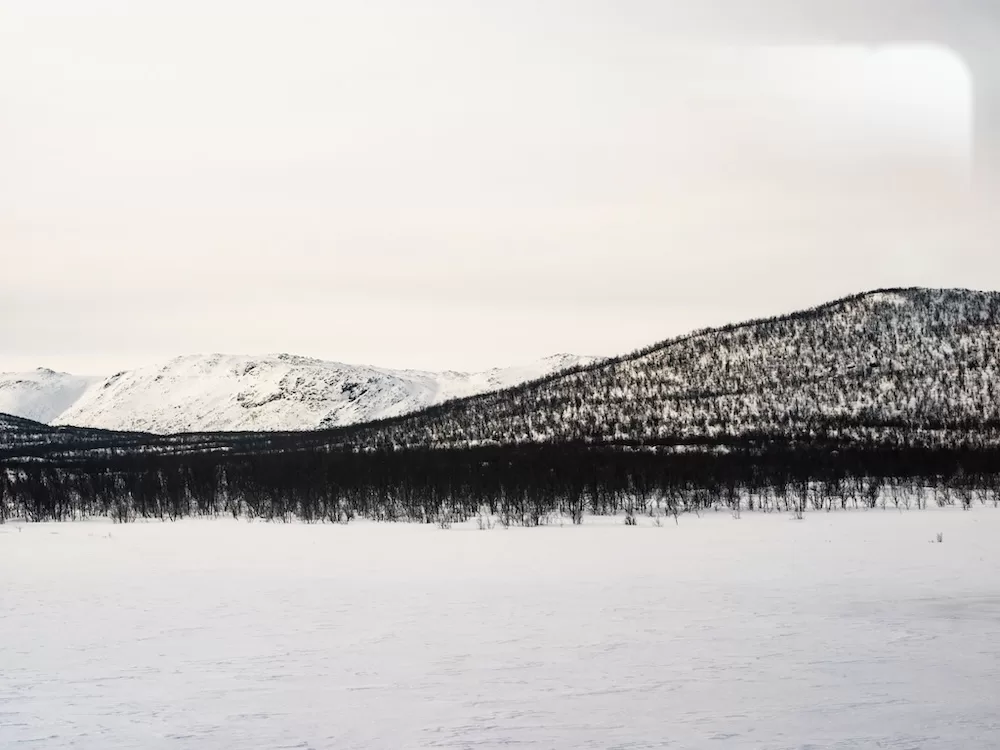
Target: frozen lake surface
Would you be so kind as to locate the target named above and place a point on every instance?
(848, 630)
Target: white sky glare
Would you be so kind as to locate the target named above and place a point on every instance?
(454, 186)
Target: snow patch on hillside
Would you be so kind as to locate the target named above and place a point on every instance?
(886, 298)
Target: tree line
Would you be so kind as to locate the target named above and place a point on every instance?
(509, 485)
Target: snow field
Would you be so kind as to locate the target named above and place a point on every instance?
(844, 630)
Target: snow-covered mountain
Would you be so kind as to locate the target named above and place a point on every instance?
(218, 392)
(41, 395)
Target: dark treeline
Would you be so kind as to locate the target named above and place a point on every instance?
(523, 485)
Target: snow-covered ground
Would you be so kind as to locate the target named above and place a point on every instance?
(848, 630)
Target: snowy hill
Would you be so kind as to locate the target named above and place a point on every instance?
(913, 365)
(210, 393)
(41, 395)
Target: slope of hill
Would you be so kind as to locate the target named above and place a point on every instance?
(41, 395)
(20, 436)
(912, 365)
(281, 392)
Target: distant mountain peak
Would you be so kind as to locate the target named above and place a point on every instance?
(221, 392)
(41, 395)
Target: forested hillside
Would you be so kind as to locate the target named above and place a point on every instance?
(906, 366)
(19, 436)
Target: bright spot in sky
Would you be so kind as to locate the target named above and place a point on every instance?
(922, 92)
(854, 101)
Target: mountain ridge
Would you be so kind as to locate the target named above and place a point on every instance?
(41, 395)
(218, 392)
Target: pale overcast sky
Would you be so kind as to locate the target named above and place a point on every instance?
(455, 186)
